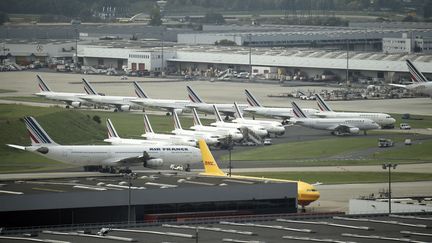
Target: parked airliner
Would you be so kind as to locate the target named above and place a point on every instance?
(384, 120)
(271, 126)
(235, 134)
(71, 99)
(257, 129)
(177, 106)
(149, 134)
(211, 138)
(121, 103)
(151, 156)
(284, 113)
(199, 104)
(420, 83)
(338, 126)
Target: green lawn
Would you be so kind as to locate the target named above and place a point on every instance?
(345, 177)
(7, 91)
(305, 149)
(418, 121)
(31, 99)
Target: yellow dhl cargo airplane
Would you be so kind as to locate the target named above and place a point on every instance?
(306, 192)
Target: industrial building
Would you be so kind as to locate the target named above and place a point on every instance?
(151, 197)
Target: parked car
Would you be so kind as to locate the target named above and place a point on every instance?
(267, 141)
(385, 142)
(408, 141)
(404, 126)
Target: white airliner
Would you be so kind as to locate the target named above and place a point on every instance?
(384, 120)
(277, 112)
(151, 156)
(338, 126)
(257, 129)
(121, 103)
(271, 126)
(149, 134)
(177, 106)
(420, 83)
(211, 138)
(235, 134)
(71, 99)
(199, 104)
(115, 139)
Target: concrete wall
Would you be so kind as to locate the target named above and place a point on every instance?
(357, 206)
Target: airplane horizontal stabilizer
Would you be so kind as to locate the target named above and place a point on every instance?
(16, 146)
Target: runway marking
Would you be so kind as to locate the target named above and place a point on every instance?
(46, 189)
(11, 192)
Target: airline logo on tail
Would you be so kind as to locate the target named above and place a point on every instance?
(37, 135)
(88, 88)
(416, 75)
(139, 91)
(238, 112)
(193, 96)
(42, 85)
(196, 119)
(322, 104)
(210, 166)
(112, 133)
(297, 111)
(147, 126)
(251, 99)
(217, 114)
(177, 124)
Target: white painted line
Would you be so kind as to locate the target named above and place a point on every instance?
(239, 181)
(11, 192)
(90, 188)
(377, 237)
(155, 233)
(315, 239)
(325, 223)
(160, 185)
(278, 227)
(383, 222)
(214, 229)
(408, 217)
(125, 187)
(107, 237)
(241, 241)
(415, 233)
(32, 239)
(198, 183)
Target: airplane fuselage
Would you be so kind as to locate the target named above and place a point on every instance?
(122, 102)
(332, 123)
(380, 118)
(227, 109)
(235, 134)
(270, 126)
(165, 104)
(277, 112)
(210, 138)
(69, 98)
(258, 130)
(172, 138)
(111, 154)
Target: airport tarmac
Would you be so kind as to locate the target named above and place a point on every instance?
(24, 83)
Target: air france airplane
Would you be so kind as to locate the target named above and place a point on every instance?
(420, 83)
(257, 129)
(149, 134)
(177, 106)
(151, 156)
(255, 107)
(201, 105)
(338, 126)
(235, 134)
(384, 120)
(121, 103)
(271, 126)
(71, 99)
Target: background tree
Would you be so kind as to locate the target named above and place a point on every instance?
(213, 18)
(3, 17)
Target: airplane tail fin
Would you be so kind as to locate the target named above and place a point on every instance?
(251, 99)
(211, 168)
(112, 133)
(147, 126)
(196, 119)
(298, 111)
(217, 114)
(88, 88)
(42, 85)
(193, 96)
(38, 136)
(139, 91)
(416, 75)
(322, 105)
(177, 124)
(238, 111)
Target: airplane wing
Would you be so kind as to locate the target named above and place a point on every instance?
(17, 146)
(344, 129)
(398, 85)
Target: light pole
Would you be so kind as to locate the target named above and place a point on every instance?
(250, 57)
(162, 53)
(230, 147)
(130, 177)
(389, 166)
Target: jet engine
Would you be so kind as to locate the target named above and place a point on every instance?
(125, 107)
(76, 104)
(354, 130)
(153, 163)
